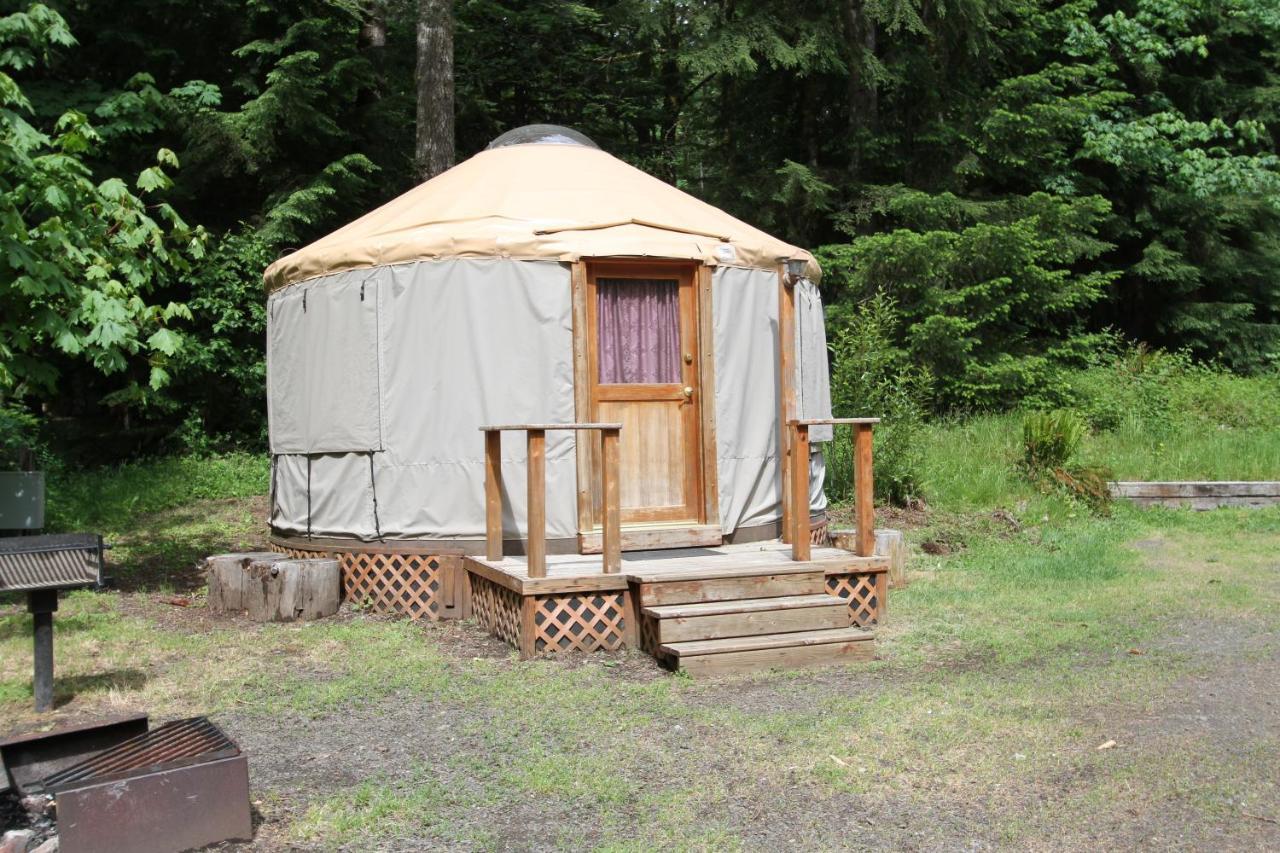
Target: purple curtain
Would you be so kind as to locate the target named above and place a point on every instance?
(638, 339)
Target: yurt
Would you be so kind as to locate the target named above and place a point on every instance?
(542, 281)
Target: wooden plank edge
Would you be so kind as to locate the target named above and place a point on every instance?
(658, 539)
(856, 566)
(803, 657)
(734, 607)
(728, 573)
(1194, 488)
(821, 637)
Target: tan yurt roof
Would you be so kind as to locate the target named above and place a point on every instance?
(553, 201)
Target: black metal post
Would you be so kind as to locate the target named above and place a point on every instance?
(42, 603)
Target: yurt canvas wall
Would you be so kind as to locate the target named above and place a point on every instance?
(379, 379)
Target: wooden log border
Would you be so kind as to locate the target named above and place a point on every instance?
(1198, 494)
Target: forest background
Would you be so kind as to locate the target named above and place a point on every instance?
(1017, 204)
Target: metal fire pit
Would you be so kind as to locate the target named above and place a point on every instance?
(40, 566)
(28, 758)
(179, 786)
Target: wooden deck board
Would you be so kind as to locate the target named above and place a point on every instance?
(569, 572)
(695, 648)
(789, 657)
(744, 605)
(831, 613)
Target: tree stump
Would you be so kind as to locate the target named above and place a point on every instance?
(889, 543)
(274, 587)
(228, 577)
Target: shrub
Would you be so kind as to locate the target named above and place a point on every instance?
(993, 297)
(1219, 398)
(1122, 384)
(19, 436)
(870, 377)
(1154, 391)
(220, 382)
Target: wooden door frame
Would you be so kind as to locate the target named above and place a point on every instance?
(708, 531)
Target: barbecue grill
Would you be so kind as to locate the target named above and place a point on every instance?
(40, 566)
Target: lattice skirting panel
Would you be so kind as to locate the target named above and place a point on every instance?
(819, 530)
(497, 609)
(865, 592)
(406, 584)
(582, 621)
(648, 634)
(394, 583)
(299, 553)
(551, 622)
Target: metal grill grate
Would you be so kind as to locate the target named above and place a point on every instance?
(50, 561)
(172, 745)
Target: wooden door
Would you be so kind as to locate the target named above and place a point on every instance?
(643, 366)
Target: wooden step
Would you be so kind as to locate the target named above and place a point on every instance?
(790, 650)
(651, 574)
(747, 617)
(731, 585)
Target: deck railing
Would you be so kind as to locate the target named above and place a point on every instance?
(864, 489)
(536, 436)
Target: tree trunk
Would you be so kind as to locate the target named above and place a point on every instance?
(372, 42)
(228, 578)
(434, 150)
(672, 81)
(373, 31)
(862, 99)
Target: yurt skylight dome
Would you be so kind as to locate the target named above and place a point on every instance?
(542, 134)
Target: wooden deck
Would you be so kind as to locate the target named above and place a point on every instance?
(582, 572)
(707, 610)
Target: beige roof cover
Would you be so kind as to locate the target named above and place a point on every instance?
(544, 201)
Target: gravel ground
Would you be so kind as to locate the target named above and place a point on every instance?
(1227, 710)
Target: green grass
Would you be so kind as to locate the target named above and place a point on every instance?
(162, 516)
(115, 499)
(1187, 452)
(972, 464)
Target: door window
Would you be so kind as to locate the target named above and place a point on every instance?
(638, 334)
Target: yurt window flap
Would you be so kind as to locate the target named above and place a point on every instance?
(325, 495)
(467, 343)
(322, 366)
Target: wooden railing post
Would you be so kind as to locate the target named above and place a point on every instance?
(536, 468)
(787, 398)
(612, 504)
(799, 492)
(537, 503)
(493, 494)
(798, 488)
(864, 490)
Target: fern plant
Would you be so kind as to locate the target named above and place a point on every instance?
(1050, 439)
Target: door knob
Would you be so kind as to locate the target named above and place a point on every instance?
(688, 392)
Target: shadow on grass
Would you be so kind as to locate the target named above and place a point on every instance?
(165, 551)
(19, 624)
(68, 687)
